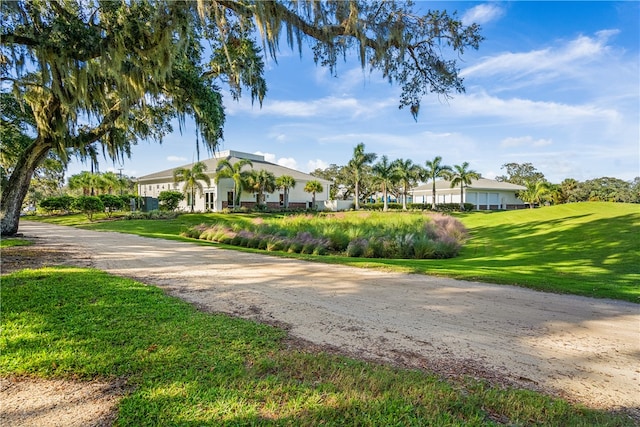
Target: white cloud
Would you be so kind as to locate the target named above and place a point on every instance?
(525, 141)
(316, 164)
(482, 14)
(176, 159)
(526, 111)
(326, 107)
(269, 157)
(553, 61)
(288, 162)
(348, 81)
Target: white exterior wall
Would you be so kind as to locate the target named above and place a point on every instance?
(219, 194)
(481, 199)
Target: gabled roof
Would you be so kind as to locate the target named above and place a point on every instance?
(476, 184)
(234, 156)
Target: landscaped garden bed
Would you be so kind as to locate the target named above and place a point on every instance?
(366, 234)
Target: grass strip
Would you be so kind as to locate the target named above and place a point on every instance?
(9, 242)
(192, 368)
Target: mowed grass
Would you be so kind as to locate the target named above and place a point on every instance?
(590, 249)
(186, 367)
(11, 242)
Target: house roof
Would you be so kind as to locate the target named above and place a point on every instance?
(476, 184)
(234, 156)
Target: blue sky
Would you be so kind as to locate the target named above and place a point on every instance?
(556, 84)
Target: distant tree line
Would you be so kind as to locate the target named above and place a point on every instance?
(541, 191)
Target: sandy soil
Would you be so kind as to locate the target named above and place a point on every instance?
(583, 349)
(58, 403)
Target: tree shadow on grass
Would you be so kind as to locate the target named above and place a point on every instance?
(594, 255)
(190, 368)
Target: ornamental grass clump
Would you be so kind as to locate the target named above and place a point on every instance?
(368, 235)
(357, 248)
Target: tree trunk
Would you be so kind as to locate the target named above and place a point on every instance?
(357, 195)
(236, 195)
(18, 185)
(433, 196)
(404, 198)
(461, 198)
(385, 204)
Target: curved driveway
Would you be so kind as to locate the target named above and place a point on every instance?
(587, 350)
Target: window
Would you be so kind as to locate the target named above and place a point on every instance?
(230, 198)
(209, 201)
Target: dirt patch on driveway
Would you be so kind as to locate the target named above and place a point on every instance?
(578, 348)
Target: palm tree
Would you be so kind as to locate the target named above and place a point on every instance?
(555, 194)
(226, 169)
(355, 166)
(107, 182)
(313, 187)
(569, 187)
(85, 180)
(434, 170)
(286, 182)
(407, 173)
(261, 182)
(384, 174)
(534, 192)
(462, 176)
(191, 178)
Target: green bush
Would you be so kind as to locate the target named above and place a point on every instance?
(169, 200)
(89, 205)
(59, 204)
(152, 215)
(111, 203)
(378, 206)
(454, 207)
(442, 207)
(126, 200)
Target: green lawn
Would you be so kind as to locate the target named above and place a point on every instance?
(11, 241)
(589, 249)
(186, 367)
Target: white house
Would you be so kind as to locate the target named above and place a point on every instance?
(221, 195)
(485, 194)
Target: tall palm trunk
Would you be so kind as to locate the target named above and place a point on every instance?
(357, 195)
(433, 196)
(236, 189)
(404, 198)
(385, 206)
